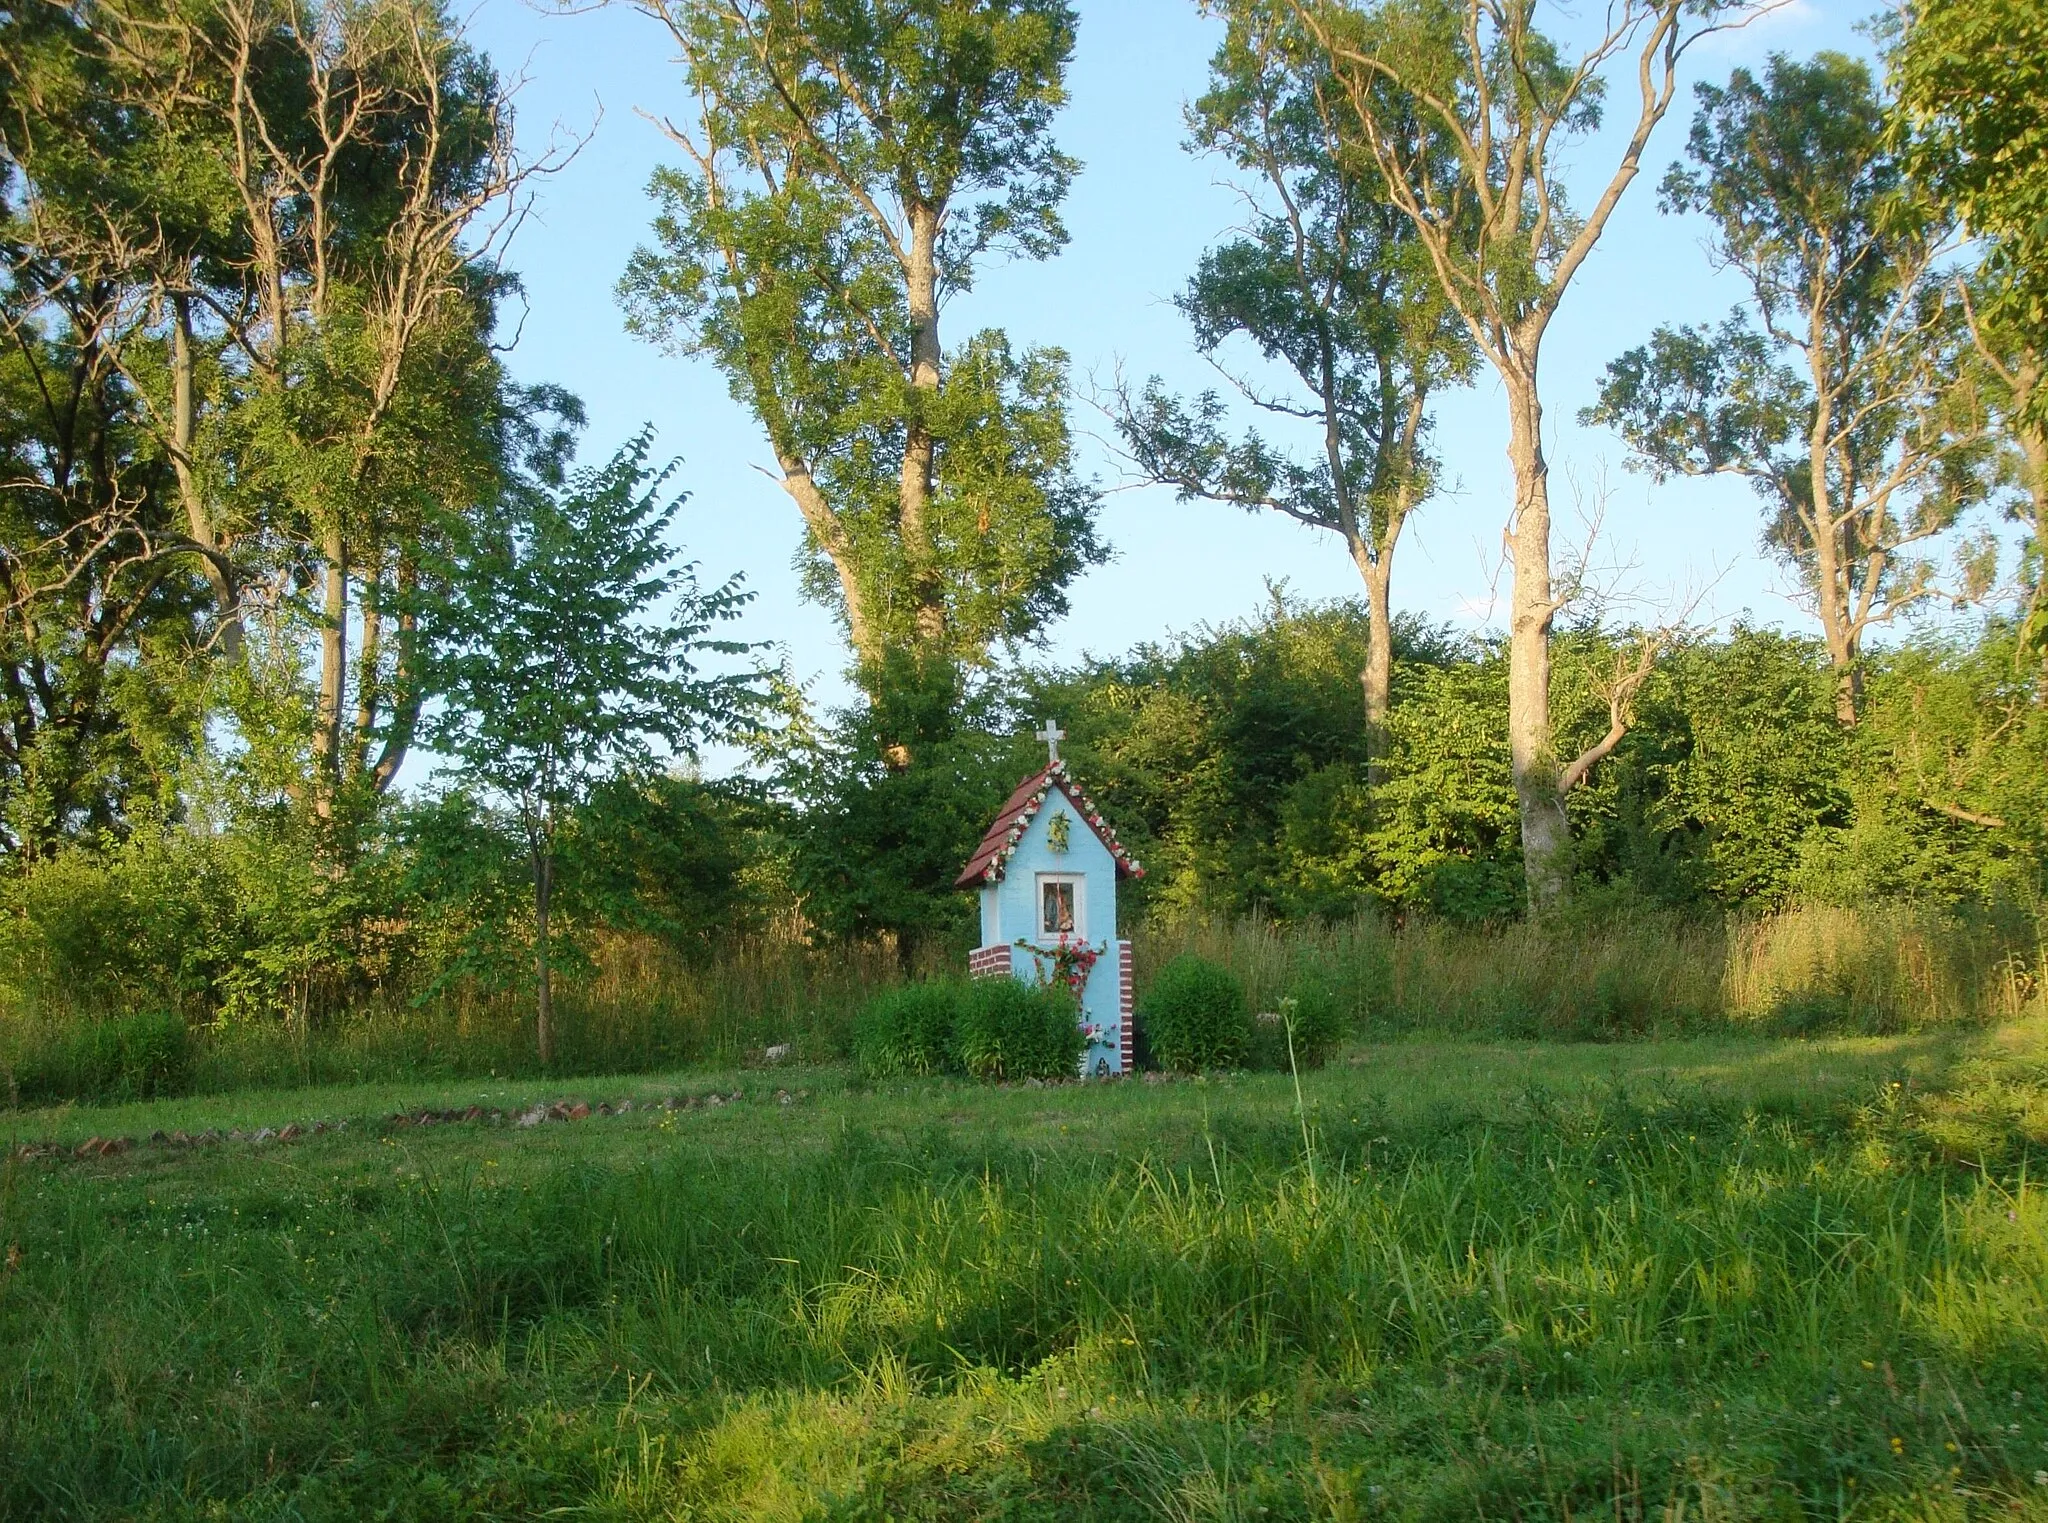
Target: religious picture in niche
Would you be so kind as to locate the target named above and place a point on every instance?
(1057, 918)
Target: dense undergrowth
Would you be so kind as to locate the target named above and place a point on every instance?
(1601, 976)
(1729, 1280)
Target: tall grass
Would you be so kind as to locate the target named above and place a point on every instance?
(1610, 976)
(1603, 976)
(640, 1007)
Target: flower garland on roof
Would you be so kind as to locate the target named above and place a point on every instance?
(1015, 836)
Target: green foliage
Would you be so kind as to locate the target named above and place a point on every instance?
(1735, 761)
(1010, 1030)
(1973, 77)
(1313, 1021)
(569, 641)
(989, 1028)
(910, 1029)
(1216, 756)
(1194, 1016)
(1444, 829)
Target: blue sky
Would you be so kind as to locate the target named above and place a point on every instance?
(1140, 216)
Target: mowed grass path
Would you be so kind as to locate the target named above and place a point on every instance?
(1698, 1280)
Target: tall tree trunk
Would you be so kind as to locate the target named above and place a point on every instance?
(2031, 433)
(405, 696)
(544, 1009)
(1378, 677)
(368, 659)
(333, 672)
(1546, 834)
(920, 551)
(198, 520)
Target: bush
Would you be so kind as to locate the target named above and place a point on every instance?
(909, 1029)
(1013, 1030)
(1195, 1016)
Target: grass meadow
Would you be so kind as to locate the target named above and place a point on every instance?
(1701, 1277)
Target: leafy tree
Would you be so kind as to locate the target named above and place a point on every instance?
(99, 613)
(1972, 83)
(1835, 389)
(2012, 366)
(1333, 283)
(850, 162)
(284, 213)
(1445, 827)
(1478, 87)
(1734, 765)
(1232, 759)
(567, 644)
(1949, 774)
(1973, 79)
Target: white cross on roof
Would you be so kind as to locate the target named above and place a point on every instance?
(1052, 735)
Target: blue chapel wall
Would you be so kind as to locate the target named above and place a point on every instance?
(1010, 910)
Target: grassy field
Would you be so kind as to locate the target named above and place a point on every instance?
(1688, 1279)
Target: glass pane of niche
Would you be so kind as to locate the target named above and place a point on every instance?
(1058, 909)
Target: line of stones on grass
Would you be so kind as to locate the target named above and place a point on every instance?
(536, 1115)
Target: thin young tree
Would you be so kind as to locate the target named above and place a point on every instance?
(569, 643)
(1480, 82)
(1839, 389)
(1329, 282)
(849, 164)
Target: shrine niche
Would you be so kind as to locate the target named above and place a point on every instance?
(1047, 871)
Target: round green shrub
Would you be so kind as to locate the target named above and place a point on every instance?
(1013, 1030)
(1195, 1016)
(908, 1029)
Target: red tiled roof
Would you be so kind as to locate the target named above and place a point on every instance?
(992, 855)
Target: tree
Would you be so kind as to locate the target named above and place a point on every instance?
(288, 214)
(1332, 282)
(850, 161)
(2012, 366)
(1972, 78)
(567, 644)
(1972, 83)
(1476, 85)
(99, 610)
(1836, 389)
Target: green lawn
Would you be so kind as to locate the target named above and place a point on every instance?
(1687, 1279)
